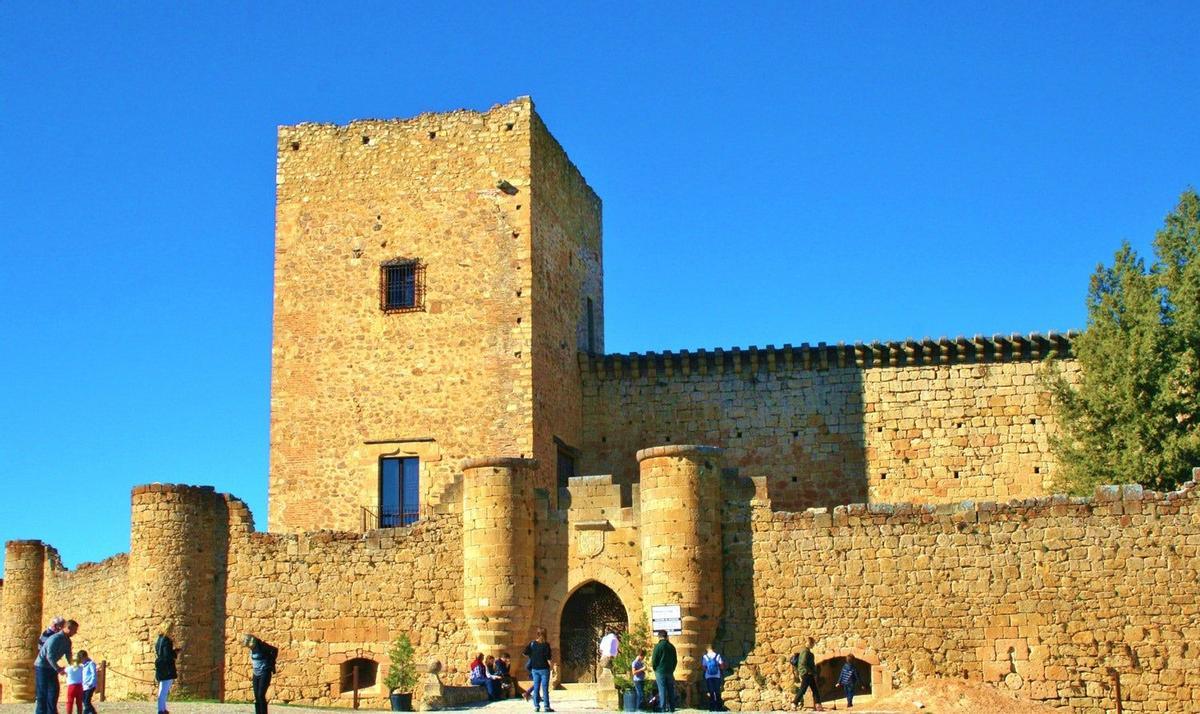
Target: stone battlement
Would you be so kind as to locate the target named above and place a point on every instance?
(907, 353)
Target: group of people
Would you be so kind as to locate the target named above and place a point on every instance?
(54, 644)
(804, 666)
(495, 675)
(80, 671)
(663, 660)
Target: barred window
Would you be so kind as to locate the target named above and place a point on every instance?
(399, 491)
(402, 286)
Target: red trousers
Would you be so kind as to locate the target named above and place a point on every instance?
(75, 698)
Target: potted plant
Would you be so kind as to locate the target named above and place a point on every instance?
(401, 678)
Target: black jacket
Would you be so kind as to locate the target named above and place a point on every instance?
(164, 659)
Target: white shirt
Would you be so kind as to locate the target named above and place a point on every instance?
(74, 674)
(608, 645)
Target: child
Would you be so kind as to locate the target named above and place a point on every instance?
(637, 669)
(75, 684)
(848, 680)
(89, 681)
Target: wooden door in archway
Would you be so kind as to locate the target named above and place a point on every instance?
(591, 611)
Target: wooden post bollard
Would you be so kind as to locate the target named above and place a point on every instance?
(354, 683)
(102, 679)
(1117, 688)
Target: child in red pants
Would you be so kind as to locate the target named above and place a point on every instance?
(75, 685)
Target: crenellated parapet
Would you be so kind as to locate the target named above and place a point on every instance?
(821, 356)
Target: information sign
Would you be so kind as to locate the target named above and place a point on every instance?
(666, 617)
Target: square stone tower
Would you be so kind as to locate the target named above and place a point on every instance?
(435, 280)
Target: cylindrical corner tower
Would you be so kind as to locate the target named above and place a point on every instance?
(21, 617)
(681, 543)
(498, 545)
(178, 552)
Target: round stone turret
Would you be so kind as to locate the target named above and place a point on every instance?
(498, 546)
(21, 617)
(178, 553)
(681, 544)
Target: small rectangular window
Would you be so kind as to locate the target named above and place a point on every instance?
(567, 460)
(399, 491)
(591, 328)
(402, 286)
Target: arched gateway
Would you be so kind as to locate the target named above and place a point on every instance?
(591, 611)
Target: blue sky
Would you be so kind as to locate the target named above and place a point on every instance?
(771, 173)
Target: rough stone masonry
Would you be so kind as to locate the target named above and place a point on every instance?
(455, 457)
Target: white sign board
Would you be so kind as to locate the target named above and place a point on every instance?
(666, 617)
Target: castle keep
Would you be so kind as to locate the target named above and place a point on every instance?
(454, 456)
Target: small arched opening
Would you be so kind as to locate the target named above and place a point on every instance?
(359, 673)
(592, 611)
(829, 672)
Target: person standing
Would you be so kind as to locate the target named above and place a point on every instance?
(637, 670)
(713, 666)
(75, 684)
(609, 644)
(56, 625)
(539, 656)
(848, 680)
(806, 675)
(663, 661)
(89, 682)
(46, 669)
(262, 663)
(165, 671)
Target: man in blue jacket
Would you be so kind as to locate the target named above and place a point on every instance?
(46, 668)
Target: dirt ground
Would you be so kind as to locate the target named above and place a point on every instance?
(955, 696)
(935, 696)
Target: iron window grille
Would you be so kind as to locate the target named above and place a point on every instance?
(399, 491)
(402, 286)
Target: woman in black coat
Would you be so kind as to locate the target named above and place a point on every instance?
(165, 673)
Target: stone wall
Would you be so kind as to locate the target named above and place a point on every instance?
(922, 422)
(351, 383)
(97, 596)
(1040, 597)
(326, 598)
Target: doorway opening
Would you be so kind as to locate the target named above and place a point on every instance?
(591, 612)
(829, 670)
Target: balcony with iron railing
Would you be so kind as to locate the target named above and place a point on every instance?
(390, 517)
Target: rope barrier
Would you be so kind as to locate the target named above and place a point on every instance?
(154, 681)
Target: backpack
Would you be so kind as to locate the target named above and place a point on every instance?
(712, 665)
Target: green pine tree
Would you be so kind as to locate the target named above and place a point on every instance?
(1134, 415)
(402, 672)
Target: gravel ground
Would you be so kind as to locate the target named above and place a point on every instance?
(513, 706)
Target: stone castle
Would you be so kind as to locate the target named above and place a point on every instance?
(454, 456)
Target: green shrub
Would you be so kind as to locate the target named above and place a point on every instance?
(638, 638)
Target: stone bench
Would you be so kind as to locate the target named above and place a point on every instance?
(433, 695)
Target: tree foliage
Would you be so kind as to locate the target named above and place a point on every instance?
(1134, 414)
